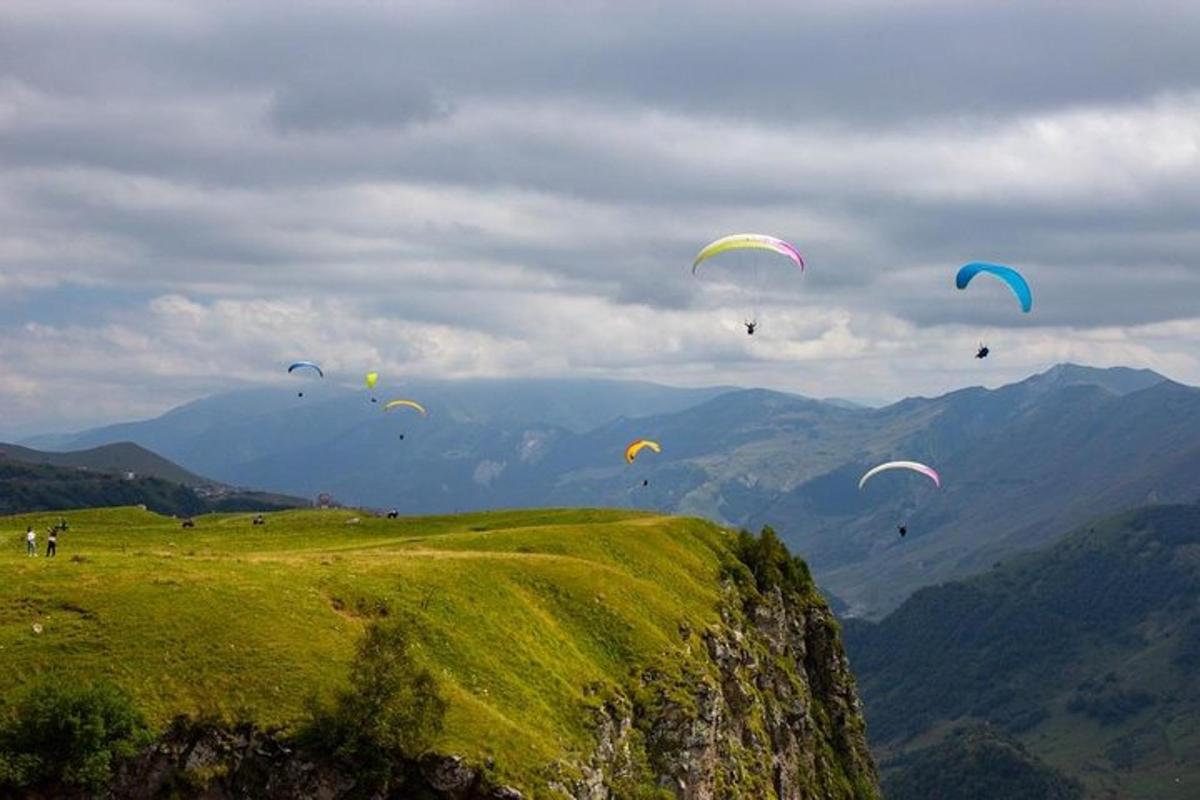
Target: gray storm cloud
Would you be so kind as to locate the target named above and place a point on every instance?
(482, 189)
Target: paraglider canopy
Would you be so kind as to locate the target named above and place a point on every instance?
(637, 445)
(306, 365)
(748, 241)
(1010, 276)
(406, 404)
(915, 466)
(372, 379)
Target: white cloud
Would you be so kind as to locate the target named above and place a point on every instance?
(176, 348)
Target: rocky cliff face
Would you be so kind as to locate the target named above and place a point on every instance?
(760, 705)
(214, 763)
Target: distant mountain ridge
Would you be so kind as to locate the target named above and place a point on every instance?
(119, 457)
(27, 488)
(118, 474)
(576, 405)
(1020, 463)
(1118, 380)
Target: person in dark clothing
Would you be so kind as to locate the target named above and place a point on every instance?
(983, 351)
(750, 326)
(645, 481)
(52, 543)
(903, 531)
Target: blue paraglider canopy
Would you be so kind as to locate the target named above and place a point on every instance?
(1009, 275)
(306, 365)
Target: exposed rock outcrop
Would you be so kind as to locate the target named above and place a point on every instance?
(217, 763)
(762, 705)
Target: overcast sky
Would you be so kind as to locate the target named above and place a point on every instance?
(194, 193)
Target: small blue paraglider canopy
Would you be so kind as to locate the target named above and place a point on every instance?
(306, 365)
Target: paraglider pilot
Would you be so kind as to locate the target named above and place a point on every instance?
(983, 351)
(750, 326)
(903, 530)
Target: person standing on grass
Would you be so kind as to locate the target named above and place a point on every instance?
(52, 543)
(30, 542)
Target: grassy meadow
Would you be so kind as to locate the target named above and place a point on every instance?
(518, 613)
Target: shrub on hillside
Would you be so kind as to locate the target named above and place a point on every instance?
(1109, 703)
(770, 564)
(60, 733)
(391, 712)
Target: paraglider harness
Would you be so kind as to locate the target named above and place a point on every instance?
(983, 351)
(750, 326)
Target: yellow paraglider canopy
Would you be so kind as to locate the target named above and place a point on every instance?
(637, 445)
(408, 404)
(748, 241)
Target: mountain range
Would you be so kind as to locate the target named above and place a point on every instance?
(123, 458)
(120, 474)
(1087, 652)
(1020, 464)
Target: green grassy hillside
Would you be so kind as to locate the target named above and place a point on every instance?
(514, 612)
